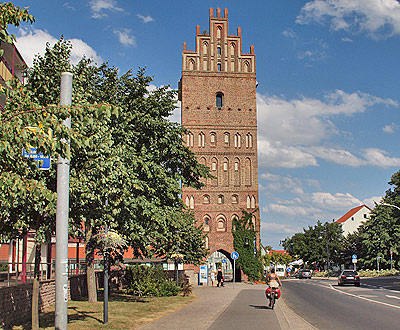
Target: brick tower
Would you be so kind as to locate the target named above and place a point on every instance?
(218, 94)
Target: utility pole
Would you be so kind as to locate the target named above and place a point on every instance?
(62, 214)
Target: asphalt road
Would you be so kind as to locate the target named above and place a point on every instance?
(248, 311)
(374, 305)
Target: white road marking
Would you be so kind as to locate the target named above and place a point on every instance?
(367, 299)
(395, 297)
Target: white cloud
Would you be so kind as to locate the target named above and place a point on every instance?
(145, 19)
(282, 183)
(291, 131)
(380, 158)
(372, 200)
(100, 8)
(289, 33)
(336, 201)
(125, 37)
(33, 42)
(282, 228)
(390, 129)
(379, 19)
(347, 39)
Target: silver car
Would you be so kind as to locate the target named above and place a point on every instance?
(304, 273)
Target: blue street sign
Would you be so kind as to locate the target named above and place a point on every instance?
(289, 270)
(354, 256)
(43, 162)
(234, 255)
(223, 261)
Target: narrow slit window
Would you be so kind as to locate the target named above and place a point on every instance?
(219, 100)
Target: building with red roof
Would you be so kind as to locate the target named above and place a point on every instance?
(354, 218)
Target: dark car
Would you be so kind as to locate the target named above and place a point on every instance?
(349, 277)
(303, 273)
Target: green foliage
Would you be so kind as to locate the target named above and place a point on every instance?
(148, 281)
(243, 242)
(311, 245)
(382, 231)
(277, 258)
(10, 14)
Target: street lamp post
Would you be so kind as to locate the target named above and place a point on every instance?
(386, 204)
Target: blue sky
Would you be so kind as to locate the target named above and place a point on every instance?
(328, 102)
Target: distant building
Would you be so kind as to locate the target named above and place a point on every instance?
(11, 65)
(354, 218)
(218, 94)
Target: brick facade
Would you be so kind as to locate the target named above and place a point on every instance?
(218, 94)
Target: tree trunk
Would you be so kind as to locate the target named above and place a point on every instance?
(35, 291)
(90, 274)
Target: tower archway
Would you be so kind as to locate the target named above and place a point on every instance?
(222, 258)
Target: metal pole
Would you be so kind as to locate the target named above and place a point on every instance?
(327, 249)
(105, 303)
(61, 313)
(234, 272)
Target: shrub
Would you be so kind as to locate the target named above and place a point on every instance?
(145, 281)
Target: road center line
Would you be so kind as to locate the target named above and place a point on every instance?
(367, 299)
(395, 297)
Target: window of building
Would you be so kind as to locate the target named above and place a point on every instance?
(214, 166)
(206, 199)
(365, 215)
(249, 140)
(219, 50)
(213, 138)
(236, 166)
(225, 165)
(191, 202)
(226, 139)
(235, 199)
(219, 67)
(219, 100)
(220, 199)
(202, 139)
(238, 140)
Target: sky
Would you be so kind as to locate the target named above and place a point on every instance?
(327, 99)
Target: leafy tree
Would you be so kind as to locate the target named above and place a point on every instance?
(382, 231)
(314, 244)
(11, 15)
(126, 168)
(243, 242)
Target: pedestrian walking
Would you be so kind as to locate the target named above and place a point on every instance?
(220, 278)
(212, 277)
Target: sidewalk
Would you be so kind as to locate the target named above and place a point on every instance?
(212, 302)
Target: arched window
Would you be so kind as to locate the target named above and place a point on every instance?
(202, 140)
(190, 139)
(236, 173)
(246, 66)
(206, 199)
(238, 140)
(206, 242)
(191, 202)
(235, 199)
(226, 139)
(248, 204)
(187, 202)
(247, 173)
(213, 138)
(220, 199)
(191, 64)
(253, 202)
(221, 223)
(219, 32)
(219, 67)
(219, 50)
(207, 221)
(214, 172)
(219, 100)
(249, 140)
(205, 46)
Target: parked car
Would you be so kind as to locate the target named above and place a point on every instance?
(303, 273)
(349, 277)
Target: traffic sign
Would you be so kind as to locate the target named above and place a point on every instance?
(354, 256)
(234, 255)
(391, 252)
(42, 162)
(223, 261)
(354, 261)
(289, 269)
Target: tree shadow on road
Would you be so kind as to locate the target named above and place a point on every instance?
(259, 307)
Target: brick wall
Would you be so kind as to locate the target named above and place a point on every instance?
(16, 301)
